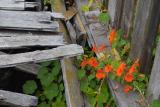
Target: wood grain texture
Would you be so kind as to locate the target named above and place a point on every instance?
(40, 56)
(28, 41)
(17, 99)
(71, 83)
(25, 20)
(154, 87)
(123, 99)
(144, 32)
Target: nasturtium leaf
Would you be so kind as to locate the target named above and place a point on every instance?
(155, 103)
(103, 18)
(42, 71)
(100, 104)
(59, 104)
(43, 104)
(61, 87)
(29, 87)
(85, 8)
(56, 69)
(51, 91)
(91, 76)
(112, 76)
(84, 86)
(45, 64)
(81, 73)
(47, 79)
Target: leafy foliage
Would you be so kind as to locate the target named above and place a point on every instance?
(103, 17)
(155, 103)
(51, 89)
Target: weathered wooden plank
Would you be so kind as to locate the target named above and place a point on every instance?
(115, 8)
(40, 21)
(154, 87)
(56, 15)
(144, 32)
(71, 31)
(28, 67)
(12, 4)
(39, 56)
(72, 89)
(123, 99)
(23, 41)
(17, 99)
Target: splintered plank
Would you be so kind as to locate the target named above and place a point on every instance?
(39, 56)
(154, 87)
(71, 83)
(124, 99)
(17, 99)
(21, 41)
(25, 20)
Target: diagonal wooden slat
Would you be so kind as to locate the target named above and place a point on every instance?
(39, 56)
(17, 99)
(21, 41)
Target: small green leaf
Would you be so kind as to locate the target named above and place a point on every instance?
(61, 87)
(59, 104)
(43, 104)
(51, 91)
(56, 69)
(91, 76)
(45, 64)
(81, 73)
(84, 86)
(42, 71)
(29, 87)
(156, 103)
(47, 79)
(85, 8)
(103, 18)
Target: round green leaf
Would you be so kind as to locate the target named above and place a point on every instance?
(29, 87)
(47, 79)
(43, 104)
(42, 71)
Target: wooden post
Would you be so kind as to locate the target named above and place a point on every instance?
(144, 32)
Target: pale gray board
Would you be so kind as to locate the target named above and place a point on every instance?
(28, 41)
(123, 99)
(40, 56)
(17, 99)
(154, 82)
(71, 31)
(71, 83)
(26, 20)
(17, 5)
(31, 68)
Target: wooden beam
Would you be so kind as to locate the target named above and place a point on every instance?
(25, 20)
(154, 87)
(71, 83)
(144, 32)
(17, 99)
(24, 41)
(40, 56)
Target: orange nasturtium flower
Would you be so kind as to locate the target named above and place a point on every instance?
(94, 49)
(100, 74)
(101, 48)
(120, 69)
(93, 62)
(133, 67)
(127, 88)
(84, 62)
(128, 77)
(107, 68)
(112, 36)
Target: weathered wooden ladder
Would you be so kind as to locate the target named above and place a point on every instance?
(26, 29)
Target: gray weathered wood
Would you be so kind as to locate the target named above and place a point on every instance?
(72, 89)
(115, 8)
(123, 99)
(31, 68)
(25, 20)
(17, 99)
(154, 87)
(39, 56)
(21, 41)
(17, 5)
(56, 15)
(71, 31)
(144, 32)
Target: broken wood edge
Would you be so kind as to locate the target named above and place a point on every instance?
(17, 99)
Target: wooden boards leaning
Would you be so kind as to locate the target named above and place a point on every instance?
(17, 99)
(39, 56)
(25, 20)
